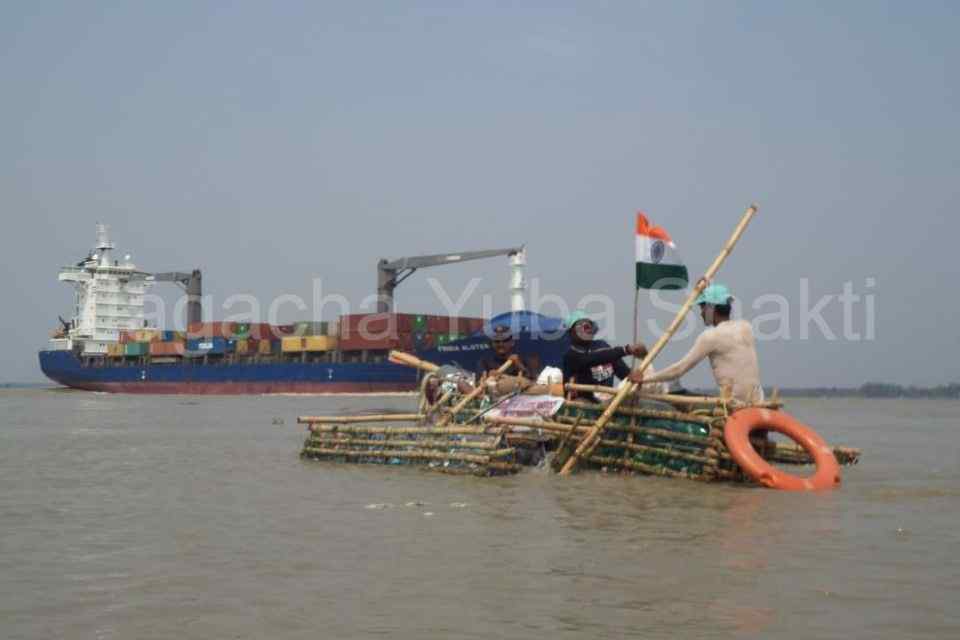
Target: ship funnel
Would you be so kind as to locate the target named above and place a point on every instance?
(104, 246)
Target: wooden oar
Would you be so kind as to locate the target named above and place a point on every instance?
(472, 395)
(589, 443)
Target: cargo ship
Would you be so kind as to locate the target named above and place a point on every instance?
(107, 345)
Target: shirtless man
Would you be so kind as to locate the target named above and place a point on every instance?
(729, 344)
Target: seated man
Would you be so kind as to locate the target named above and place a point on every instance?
(729, 344)
(502, 343)
(594, 362)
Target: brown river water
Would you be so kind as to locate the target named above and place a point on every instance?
(193, 517)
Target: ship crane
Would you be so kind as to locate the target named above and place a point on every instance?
(192, 284)
(391, 273)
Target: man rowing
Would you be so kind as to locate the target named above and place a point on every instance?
(728, 344)
(503, 345)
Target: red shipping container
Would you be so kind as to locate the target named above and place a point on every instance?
(261, 331)
(438, 324)
(218, 329)
(453, 324)
(125, 336)
(357, 342)
(166, 348)
(374, 326)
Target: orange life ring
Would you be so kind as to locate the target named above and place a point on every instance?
(736, 433)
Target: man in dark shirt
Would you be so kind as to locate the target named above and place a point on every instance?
(594, 362)
(502, 343)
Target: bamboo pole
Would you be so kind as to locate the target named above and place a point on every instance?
(670, 398)
(574, 430)
(440, 431)
(457, 408)
(633, 465)
(393, 444)
(444, 399)
(373, 417)
(652, 431)
(589, 443)
(409, 360)
(647, 413)
(642, 448)
(328, 452)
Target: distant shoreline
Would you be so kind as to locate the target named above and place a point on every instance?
(870, 390)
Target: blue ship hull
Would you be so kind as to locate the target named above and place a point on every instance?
(194, 377)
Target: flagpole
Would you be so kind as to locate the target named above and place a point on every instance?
(636, 323)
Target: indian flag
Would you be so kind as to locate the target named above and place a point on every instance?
(658, 265)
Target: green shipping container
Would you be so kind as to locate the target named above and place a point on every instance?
(419, 323)
(442, 339)
(137, 348)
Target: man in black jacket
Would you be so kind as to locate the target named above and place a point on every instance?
(594, 362)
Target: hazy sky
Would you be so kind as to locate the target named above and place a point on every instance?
(273, 143)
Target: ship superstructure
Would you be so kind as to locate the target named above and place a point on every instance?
(108, 299)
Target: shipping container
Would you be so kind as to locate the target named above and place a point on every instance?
(403, 342)
(319, 343)
(214, 345)
(167, 348)
(280, 330)
(146, 335)
(243, 346)
(292, 344)
(454, 324)
(375, 326)
(219, 329)
(266, 347)
(126, 336)
(261, 331)
(115, 349)
(168, 336)
(136, 348)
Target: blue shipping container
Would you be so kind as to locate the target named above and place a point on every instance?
(211, 345)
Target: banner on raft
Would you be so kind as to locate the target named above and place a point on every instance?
(535, 407)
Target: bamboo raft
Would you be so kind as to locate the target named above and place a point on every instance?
(660, 435)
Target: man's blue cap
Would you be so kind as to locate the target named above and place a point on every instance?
(715, 294)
